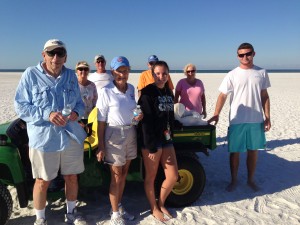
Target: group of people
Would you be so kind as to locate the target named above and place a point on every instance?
(56, 138)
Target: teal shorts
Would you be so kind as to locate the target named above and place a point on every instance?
(247, 136)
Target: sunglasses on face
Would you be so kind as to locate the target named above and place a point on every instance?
(83, 69)
(245, 54)
(60, 52)
(190, 71)
(100, 61)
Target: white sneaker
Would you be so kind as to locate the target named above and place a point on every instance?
(125, 215)
(74, 218)
(117, 221)
(41, 221)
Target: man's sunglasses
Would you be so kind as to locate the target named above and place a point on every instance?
(245, 54)
(190, 71)
(83, 69)
(100, 61)
(60, 52)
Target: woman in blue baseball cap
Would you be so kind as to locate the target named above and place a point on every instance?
(116, 134)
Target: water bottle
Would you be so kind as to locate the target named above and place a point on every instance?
(196, 115)
(66, 110)
(137, 111)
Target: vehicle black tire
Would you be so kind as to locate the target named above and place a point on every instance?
(191, 183)
(6, 204)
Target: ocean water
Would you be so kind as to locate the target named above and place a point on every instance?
(181, 71)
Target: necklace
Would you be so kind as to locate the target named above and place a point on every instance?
(158, 89)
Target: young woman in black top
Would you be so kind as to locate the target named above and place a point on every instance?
(157, 104)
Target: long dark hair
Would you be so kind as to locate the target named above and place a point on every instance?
(161, 63)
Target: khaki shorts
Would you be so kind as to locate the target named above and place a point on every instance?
(120, 146)
(45, 165)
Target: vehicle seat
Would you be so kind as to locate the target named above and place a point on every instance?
(92, 140)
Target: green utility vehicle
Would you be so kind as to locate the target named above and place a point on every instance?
(15, 165)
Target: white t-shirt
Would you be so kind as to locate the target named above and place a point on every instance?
(100, 79)
(244, 87)
(115, 107)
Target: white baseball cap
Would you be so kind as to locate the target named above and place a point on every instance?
(53, 44)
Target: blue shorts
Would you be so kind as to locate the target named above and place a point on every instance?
(247, 136)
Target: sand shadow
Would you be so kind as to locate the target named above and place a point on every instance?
(280, 143)
(95, 206)
(273, 174)
(221, 140)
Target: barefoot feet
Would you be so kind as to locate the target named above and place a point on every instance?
(166, 212)
(159, 215)
(253, 186)
(231, 187)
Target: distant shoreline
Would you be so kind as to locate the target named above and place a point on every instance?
(181, 71)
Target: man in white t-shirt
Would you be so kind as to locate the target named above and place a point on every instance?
(102, 76)
(249, 115)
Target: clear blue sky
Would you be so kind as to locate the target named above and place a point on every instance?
(203, 32)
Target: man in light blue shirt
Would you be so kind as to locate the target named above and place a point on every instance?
(43, 95)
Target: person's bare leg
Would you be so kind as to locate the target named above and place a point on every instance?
(125, 169)
(71, 187)
(40, 193)
(251, 166)
(169, 164)
(234, 166)
(114, 188)
(151, 167)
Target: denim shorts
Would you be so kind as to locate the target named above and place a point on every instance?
(247, 136)
(159, 145)
(164, 145)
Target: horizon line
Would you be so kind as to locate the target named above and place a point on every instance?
(176, 70)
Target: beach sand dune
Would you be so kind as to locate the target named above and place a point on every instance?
(278, 169)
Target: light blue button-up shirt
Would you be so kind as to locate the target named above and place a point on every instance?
(37, 95)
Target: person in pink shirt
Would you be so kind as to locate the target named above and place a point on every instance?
(191, 91)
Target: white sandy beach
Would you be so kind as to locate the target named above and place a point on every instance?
(278, 169)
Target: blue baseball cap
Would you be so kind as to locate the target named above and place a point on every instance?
(119, 61)
(152, 58)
